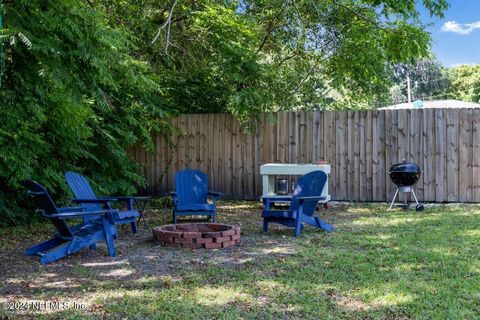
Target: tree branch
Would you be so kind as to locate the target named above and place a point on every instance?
(271, 28)
(309, 73)
(167, 24)
(359, 15)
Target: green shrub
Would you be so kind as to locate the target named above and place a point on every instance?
(73, 97)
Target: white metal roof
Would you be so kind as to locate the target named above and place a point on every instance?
(435, 104)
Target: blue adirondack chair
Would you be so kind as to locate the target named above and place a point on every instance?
(303, 203)
(85, 196)
(68, 240)
(191, 195)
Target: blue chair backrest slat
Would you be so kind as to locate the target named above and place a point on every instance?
(309, 185)
(82, 189)
(191, 187)
(45, 202)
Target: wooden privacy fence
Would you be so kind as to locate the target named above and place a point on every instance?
(359, 145)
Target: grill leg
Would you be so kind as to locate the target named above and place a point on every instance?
(414, 196)
(394, 197)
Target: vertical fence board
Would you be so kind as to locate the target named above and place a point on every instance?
(465, 156)
(355, 174)
(391, 146)
(237, 163)
(429, 162)
(341, 153)
(329, 150)
(378, 155)
(155, 164)
(219, 155)
(452, 154)
(317, 137)
(416, 146)
(191, 151)
(204, 131)
(174, 157)
(227, 156)
(475, 153)
(440, 156)
(257, 160)
(282, 137)
(209, 126)
(350, 156)
(292, 141)
(249, 161)
(309, 137)
(403, 145)
(369, 155)
(361, 150)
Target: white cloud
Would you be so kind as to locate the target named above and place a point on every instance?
(461, 28)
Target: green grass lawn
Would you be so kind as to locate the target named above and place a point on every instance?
(378, 264)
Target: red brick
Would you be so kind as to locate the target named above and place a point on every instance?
(183, 240)
(216, 226)
(235, 237)
(186, 227)
(191, 235)
(204, 228)
(238, 241)
(227, 244)
(171, 234)
(213, 245)
(227, 233)
(212, 235)
(222, 239)
(168, 239)
(204, 240)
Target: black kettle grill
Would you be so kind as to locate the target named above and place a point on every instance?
(405, 175)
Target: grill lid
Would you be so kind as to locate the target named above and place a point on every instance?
(406, 167)
(404, 174)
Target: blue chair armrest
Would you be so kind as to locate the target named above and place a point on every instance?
(310, 199)
(70, 209)
(107, 198)
(278, 198)
(80, 214)
(105, 202)
(129, 200)
(98, 200)
(124, 198)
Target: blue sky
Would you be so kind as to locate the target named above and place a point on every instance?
(456, 37)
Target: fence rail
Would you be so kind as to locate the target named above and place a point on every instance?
(359, 145)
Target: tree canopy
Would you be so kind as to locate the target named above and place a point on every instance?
(85, 80)
(429, 80)
(251, 56)
(465, 83)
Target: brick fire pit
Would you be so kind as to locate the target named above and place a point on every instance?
(197, 235)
